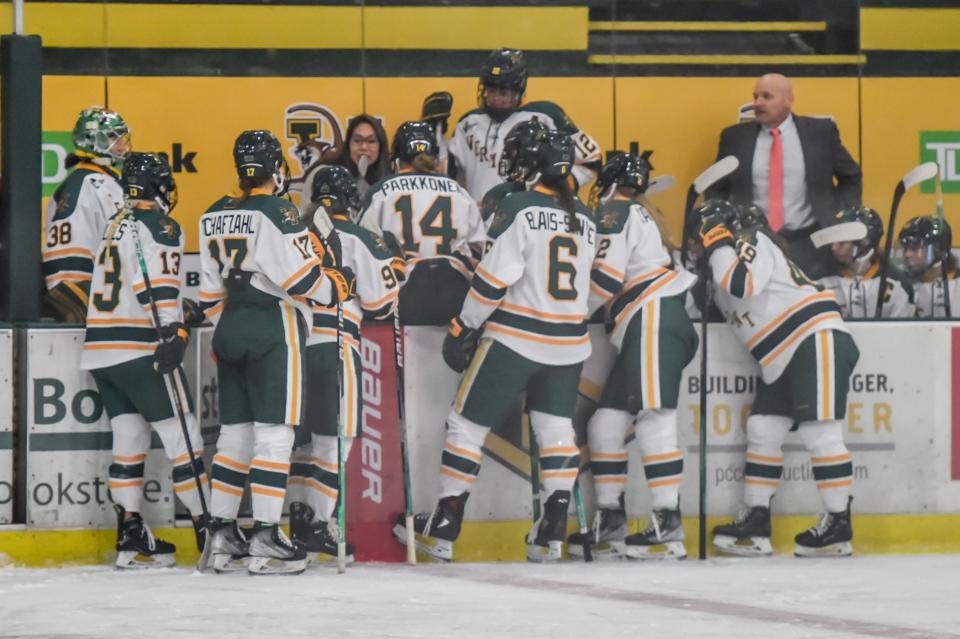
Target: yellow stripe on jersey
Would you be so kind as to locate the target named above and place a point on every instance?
(540, 339)
(769, 328)
(292, 337)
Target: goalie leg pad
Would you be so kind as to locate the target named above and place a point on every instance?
(662, 459)
(131, 441)
(184, 482)
(559, 455)
(230, 467)
(765, 435)
(606, 431)
(269, 468)
(460, 462)
(832, 468)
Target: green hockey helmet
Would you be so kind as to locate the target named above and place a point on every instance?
(100, 133)
(335, 190)
(412, 139)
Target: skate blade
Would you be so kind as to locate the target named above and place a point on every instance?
(538, 554)
(132, 560)
(603, 551)
(666, 550)
(322, 559)
(273, 566)
(437, 549)
(223, 563)
(743, 547)
(841, 549)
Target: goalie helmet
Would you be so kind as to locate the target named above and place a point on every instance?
(554, 155)
(503, 69)
(622, 170)
(101, 133)
(335, 190)
(257, 155)
(925, 241)
(147, 176)
(413, 139)
(518, 157)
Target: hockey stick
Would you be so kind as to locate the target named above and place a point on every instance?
(913, 177)
(707, 300)
(713, 174)
(845, 232)
(659, 184)
(404, 450)
(534, 450)
(938, 187)
(175, 387)
(582, 520)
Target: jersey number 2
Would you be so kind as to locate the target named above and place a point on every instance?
(436, 222)
(562, 274)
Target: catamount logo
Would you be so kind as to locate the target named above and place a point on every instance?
(317, 137)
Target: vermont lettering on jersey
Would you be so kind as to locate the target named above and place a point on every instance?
(228, 224)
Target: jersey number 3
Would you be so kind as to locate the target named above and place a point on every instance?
(562, 274)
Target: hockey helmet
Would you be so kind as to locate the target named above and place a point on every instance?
(257, 155)
(749, 217)
(413, 139)
(930, 234)
(147, 176)
(101, 133)
(503, 69)
(554, 154)
(518, 158)
(715, 209)
(335, 189)
(623, 170)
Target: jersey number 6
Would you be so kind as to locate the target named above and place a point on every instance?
(567, 289)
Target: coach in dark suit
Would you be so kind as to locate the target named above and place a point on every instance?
(788, 164)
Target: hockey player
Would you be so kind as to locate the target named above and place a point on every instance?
(856, 282)
(78, 212)
(130, 365)
(259, 272)
(314, 483)
(515, 167)
(794, 330)
(479, 136)
(527, 305)
(433, 221)
(926, 243)
(646, 320)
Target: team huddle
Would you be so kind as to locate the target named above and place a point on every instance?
(485, 235)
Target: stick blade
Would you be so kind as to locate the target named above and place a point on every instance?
(846, 232)
(920, 173)
(660, 183)
(322, 221)
(715, 172)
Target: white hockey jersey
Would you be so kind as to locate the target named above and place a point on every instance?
(119, 319)
(632, 267)
(431, 217)
(261, 244)
(478, 142)
(377, 286)
(530, 290)
(769, 302)
(77, 216)
(930, 300)
(857, 294)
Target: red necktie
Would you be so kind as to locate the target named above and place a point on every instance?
(775, 192)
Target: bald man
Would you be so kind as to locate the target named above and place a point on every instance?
(791, 166)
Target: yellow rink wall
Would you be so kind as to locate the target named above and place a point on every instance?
(500, 540)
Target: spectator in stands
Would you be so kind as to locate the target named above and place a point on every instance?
(788, 164)
(365, 138)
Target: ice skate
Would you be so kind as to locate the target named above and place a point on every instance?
(545, 540)
(748, 535)
(271, 553)
(831, 536)
(137, 548)
(662, 539)
(606, 535)
(228, 546)
(317, 538)
(435, 532)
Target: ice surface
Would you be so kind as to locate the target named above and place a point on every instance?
(782, 597)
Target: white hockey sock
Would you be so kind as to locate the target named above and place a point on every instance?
(272, 445)
(184, 483)
(460, 462)
(608, 454)
(662, 459)
(832, 468)
(559, 455)
(230, 467)
(765, 435)
(131, 441)
(322, 484)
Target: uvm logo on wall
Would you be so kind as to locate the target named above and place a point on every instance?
(317, 137)
(941, 147)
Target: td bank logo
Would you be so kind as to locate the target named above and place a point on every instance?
(943, 148)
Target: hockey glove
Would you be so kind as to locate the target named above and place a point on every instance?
(436, 108)
(344, 283)
(170, 350)
(714, 234)
(459, 345)
(193, 315)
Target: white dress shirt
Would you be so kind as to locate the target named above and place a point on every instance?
(797, 211)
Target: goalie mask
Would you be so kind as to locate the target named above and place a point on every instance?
(623, 170)
(413, 139)
(518, 158)
(258, 155)
(335, 190)
(505, 70)
(147, 176)
(925, 242)
(101, 135)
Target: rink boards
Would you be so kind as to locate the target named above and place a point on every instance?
(902, 428)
